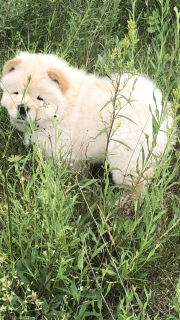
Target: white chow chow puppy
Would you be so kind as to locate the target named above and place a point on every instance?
(72, 114)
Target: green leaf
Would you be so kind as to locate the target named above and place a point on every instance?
(123, 186)
(16, 303)
(152, 21)
(124, 144)
(90, 294)
(155, 126)
(88, 314)
(99, 300)
(152, 252)
(106, 104)
(147, 139)
(23, 278)
(81, 260)
(23, 265)
(108, 271)
(45, 307)
(88, 182)
(93, 235)
(98, 250)
(128, 119)
(53, 315)
(74, 290)
(139, 301)
(83, 309)
(101, 132)
(43, 275)
(56, 301)
(159, 215)
(151, 29)
(108, 288)
(143, 155)
(153, 228)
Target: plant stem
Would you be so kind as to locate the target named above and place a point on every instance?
(9, 216)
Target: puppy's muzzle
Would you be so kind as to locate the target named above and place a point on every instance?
(22, 111)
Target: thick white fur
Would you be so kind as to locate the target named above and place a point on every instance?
(77, 109)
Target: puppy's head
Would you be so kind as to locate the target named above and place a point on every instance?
(34, 88)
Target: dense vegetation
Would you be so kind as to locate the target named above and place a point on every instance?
(68, 252)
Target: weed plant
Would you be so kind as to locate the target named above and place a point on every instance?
(66, 249)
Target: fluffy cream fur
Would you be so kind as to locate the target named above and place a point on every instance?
(68, 120)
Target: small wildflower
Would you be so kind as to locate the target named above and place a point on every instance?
(25, 301)
(27, 176)
(28, 289)
(3, 279)
(4, 289)
(34, 295)
(17, 157)
(2, 259)
(15, 277)
(22, 178)
(21, 168)
(81, 288)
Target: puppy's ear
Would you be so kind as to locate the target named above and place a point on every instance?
(59, 77)
(10, 65)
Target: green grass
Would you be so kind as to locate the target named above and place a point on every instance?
(68, 252)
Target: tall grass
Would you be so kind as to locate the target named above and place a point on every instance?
(66, 250)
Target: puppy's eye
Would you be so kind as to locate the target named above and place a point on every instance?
(39, 98)
(16, 92)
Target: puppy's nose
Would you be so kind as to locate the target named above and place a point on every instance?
(22, 109)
